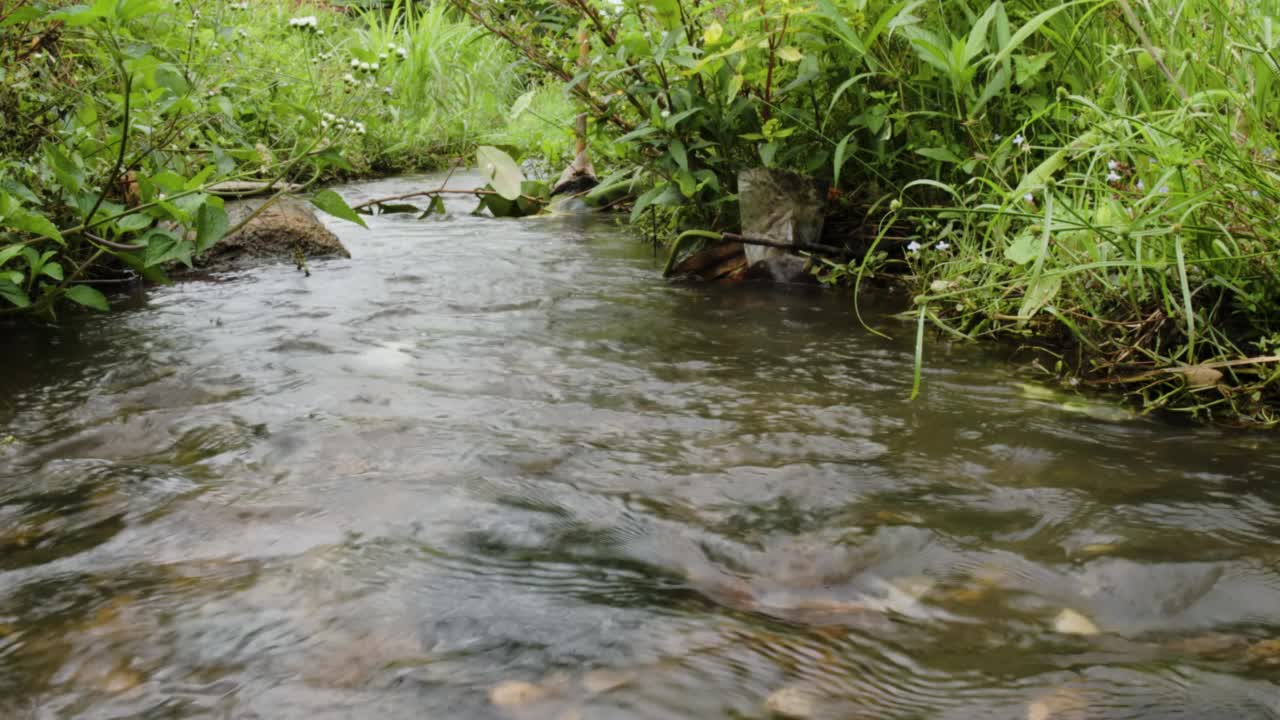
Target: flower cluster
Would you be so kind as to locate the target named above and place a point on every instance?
(914, 247)
(308, 22)
(401, 51)
(240, 5)
(362, 66)
(329, 119)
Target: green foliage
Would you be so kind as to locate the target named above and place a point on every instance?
(1096, 173)
(117, 118)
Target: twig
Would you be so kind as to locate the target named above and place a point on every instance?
(806, 247)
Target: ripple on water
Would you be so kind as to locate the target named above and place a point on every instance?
(534, 482)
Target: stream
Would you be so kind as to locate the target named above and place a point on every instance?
(501, 469)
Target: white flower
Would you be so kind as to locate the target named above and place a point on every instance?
(388, 90)
(1029, 198)
(1113, 177)
(997, 137)
(1164, 189)
(402, 52)
(1113, 165)
(942, 245)
(349, 78)
(355, 63)
(382, 56)
(391, 46)
(375, 67)
(1141, 185)
(913, 246)
(665, 113)
(1019, 139)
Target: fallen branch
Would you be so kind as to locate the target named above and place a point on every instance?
(478, 192)
(800, 246)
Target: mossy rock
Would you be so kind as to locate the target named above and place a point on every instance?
(286, 228)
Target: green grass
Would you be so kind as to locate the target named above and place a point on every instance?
(1097, 179)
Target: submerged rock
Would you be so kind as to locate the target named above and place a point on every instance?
(1070, 622)
(1061, 704)
(283, 232)
(516, 693)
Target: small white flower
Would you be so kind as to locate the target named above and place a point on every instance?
(1029, 198)
(665, 113)
(388, 90)
(382, 56)
(355, 63)
(402, 52)
(1140, 185)
(942, 245)
(1164, 189)
(320, 31)
(391, 46)
(1113, 165)
(375, 67)
(1019, 139)
(913, 246)
(1113, 177)
(997, 137)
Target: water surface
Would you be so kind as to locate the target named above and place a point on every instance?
(489, 452)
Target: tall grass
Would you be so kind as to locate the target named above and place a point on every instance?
(454, 84)
(1097, 178)
(1131, 214)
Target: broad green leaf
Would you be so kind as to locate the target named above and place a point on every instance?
(169, 181)
(939, 153)
(164, 246)
(1039, 294)
(14, 294)
(35, 223)
(645, 200)
(837, 162)
(211, 226)
(130, 9)
(1023, 249)
(9, 253)
(134, 222)
(1029, 67)
(977, 40)
(200, 178)
(674, 120)
(642, 131)
(790, 54)
(503, 172)
(53, 270)
(688, 184)
(712, 34)
(522, 103)
(88, 297)
(679, 154)
(767, 152)
(333, 204)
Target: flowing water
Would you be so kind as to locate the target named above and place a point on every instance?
(499, 469)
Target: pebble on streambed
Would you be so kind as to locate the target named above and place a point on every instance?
(518, 695)
(1070, 622)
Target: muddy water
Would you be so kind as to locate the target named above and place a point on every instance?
(499, 469)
